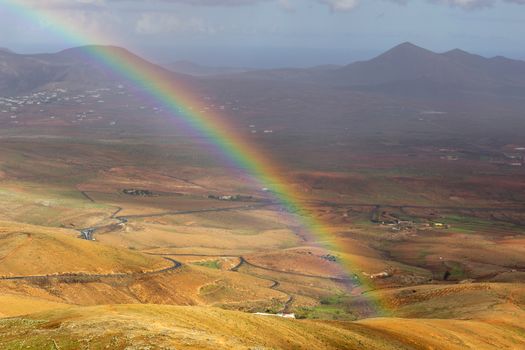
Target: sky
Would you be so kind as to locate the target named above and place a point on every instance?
(273, 33)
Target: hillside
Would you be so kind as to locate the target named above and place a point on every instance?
(20, 73)
(27, 250)
(127, 327)
(76, 69)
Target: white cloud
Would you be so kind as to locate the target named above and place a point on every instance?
(466, 4)
(94, 24)
(473, 4)
(65, 4)
(288, 5)
(159, 23)
(341, 5)
(348, 5)
(201, 2)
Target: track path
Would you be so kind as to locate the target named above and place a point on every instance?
(88, 232)
(197, 211)
(26, 242)
(243, 261)
(86, 277)
(275, 284)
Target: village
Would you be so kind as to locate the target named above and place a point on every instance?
(92, 106)
(510, 156)
(395, 222)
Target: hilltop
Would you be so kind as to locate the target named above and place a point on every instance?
(76, 68)
(28, 250)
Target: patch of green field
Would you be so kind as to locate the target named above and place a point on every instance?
(457, 272)
(212, 264)
(469, 224)
(334, 307)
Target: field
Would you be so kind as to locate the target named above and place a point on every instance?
(141, 227)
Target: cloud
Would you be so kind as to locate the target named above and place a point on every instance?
(348, 5)
(471, 4)
(201, 2)
(466, 4)
(163, 23)
(288, 5)
(65, 4)
(341, 5)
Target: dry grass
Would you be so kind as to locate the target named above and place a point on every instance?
(139, 326)
(36, 250)
(16, 305)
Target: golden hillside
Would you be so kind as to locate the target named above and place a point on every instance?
(173, 327)
(35, 250)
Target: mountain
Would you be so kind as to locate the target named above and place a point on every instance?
(412, 70)
(76, 68)
(190, 68)
(408, 63)
(405, 62)
(405, 69)
(20, 73)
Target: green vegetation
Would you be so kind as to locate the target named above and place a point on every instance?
(457, 272)
(212, 264)
(334, 307)
(470, 224)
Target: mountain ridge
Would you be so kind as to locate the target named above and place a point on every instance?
(73, 68)
(410, 69)
(405, 68)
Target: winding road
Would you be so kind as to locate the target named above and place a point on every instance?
(88, 232)
(87, 196)
(275, 283)
(243, 261)
(197, 211)
(86, 277)
(331, 278)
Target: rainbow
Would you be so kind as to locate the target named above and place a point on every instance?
(180, 101)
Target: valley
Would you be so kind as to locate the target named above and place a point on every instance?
(121, 226)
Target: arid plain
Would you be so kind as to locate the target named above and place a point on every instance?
(121, 228)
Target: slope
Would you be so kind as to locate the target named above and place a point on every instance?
(156, 327)
(33, 250)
